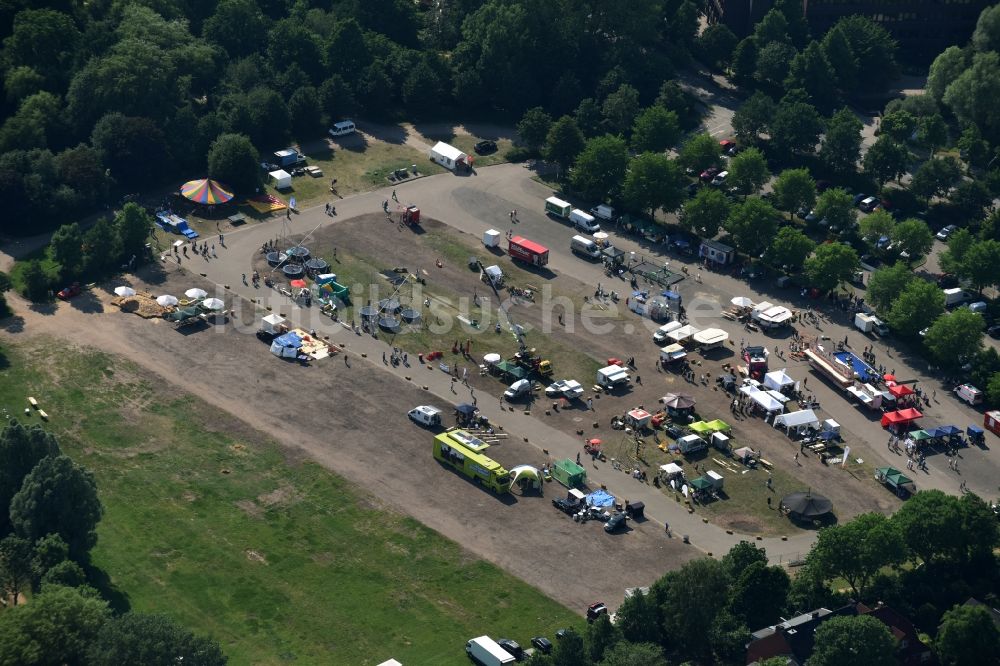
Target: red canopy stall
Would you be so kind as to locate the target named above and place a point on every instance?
(900, 417)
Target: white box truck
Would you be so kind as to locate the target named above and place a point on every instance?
(612, 376)
(487, 652)
(558, 208)
(870, 324)
(955, 296)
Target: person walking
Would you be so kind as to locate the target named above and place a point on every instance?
(394, 197)
(797, 460)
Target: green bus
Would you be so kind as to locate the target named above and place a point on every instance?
(459, 449)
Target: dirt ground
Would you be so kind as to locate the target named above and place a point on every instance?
(371, 237)
(353, 421)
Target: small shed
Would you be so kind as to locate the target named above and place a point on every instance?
(448, 156)
(281, 179)
(715, 479)
(569, 473)
(638, 418)
(717, 252)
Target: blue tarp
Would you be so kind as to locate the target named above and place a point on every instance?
(680, 242)
(600, 498)
(290, 339)
(947, 431)
(671, 295)
(827, 435)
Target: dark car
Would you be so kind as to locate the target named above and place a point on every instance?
(566, 505)
(486, 147)
(69, 292)
(994, 331)
(709, 173)
(512, 648)
(692, 189)
(823, 185)
(542, 644)
(561, 634)
(596, 610)
(615, 523)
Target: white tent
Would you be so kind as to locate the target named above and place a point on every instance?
(528, 473)
(710, 337)
(805, 418)
(683, 333)
(447, 155)
(282, 179)
(764, 399)
(777, 380)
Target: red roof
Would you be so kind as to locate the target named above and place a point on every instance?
(900, 416)
(899, 390)
(528, 245)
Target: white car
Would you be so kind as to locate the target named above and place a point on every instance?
(946, 233)
(517, 389)
(566, 388)
(720, 178)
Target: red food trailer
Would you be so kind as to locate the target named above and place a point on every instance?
(411, 215)
(991, 421)
(527, 251)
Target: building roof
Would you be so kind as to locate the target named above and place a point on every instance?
(717, 246)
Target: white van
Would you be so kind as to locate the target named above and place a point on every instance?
(425, 415)
(660, 334)
(584, 247)
(584, 221)
(720, 178)
(969, 394)
(343, 128)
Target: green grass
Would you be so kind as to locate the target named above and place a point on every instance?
(279, 561)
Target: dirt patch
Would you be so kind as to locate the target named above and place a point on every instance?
(251, 508)
(254, 556)
(284, 496)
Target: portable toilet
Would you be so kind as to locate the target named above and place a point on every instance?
(569, 473)
(721, 442)
(715, 479)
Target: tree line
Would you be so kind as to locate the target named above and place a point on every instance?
(115, 95)
(53, 613)
(929, 558)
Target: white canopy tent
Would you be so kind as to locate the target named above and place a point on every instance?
(777, 380)
(282, 179)
(683, 333)
(766, 401)
(798, 421)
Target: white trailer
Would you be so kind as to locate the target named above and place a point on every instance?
(612, 376)
(487, 652)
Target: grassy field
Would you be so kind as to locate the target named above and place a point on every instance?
(276, 558)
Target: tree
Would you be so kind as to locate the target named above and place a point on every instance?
(655, 130)
(692, 596)
(15, 567)
(588, 117)
(947, 67)
(133, 226)
(653, 182)
(744, 61)
(753, 117)
(728, 636)
(841, 144)
(858, 639)
(795, 190)
(790, 249)
(305, 111)
(811, 71)
(831, 264)
(939, 528)
(620, 108)
(748, 171)
(935, 177)
(601, 637)
(972, 198)
(55, 628)
(886, 160)
(973, 147)
(44, 39)
(759, 594)
(959, 244)
(600, 167)
(841, 58)
(533, 128)
(563, 143)
(915, 307)
(700, 152)
(36, 282)
(67, 248)
(58, 497)
(772, 28)
(874, 50)
(796, 127)
(753, 225)
(932, 131)
(99, 247)
(635, 654)
(986, 36)
(706, 212)
(337, 97)
(232, 159)
(715, 46)
(637, 620)
(899, 125)
(970, 96)
(912, 236)
(155, 640)
(741, 556)
(238, 26)
(885, 283)
(133, 149)
(968, 635)
(955, 339)
(875, 226)
(857, 550)
(772, 62)
(836, 206)
(569, 650)
(981, 264)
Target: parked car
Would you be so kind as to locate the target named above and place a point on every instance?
(595, 611)
(994, 331)
(728, 146)
(69, 292)
(869, 204)
(485, 147)
(947, 281)
(615, 522)
(708, 174)
(720, 178)
(561, 634)
(542, 644)
(823, 185)
(858, 198)
(512, 647)
(946, 232)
